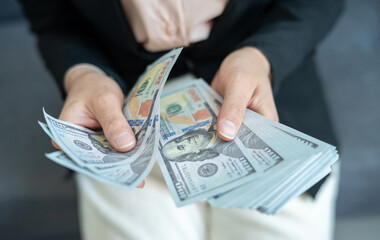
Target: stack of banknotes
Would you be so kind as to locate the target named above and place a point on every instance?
(263, 168)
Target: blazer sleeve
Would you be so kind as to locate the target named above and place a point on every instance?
(64, 39)
(290, 32)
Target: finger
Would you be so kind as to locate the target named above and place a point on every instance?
(74, 114)
(79, 115)
(141, 185)
(69, 114)
(55, 145)
(237, 95)
(115, 127)
(263, 103)
(214, 83)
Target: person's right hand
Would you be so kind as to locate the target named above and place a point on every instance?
(95, 101)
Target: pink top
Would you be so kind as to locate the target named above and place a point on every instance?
(162, 25)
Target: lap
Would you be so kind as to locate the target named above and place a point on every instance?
(109, 212)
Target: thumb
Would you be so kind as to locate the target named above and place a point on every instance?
(115, 127)
(236, 98)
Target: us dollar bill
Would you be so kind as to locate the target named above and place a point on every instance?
(62, 159)
(254, 122)
(320, 157)
(195, 162)
(265, 166)
(145, 95)
(91, 149)
(262, 155)
(134, 172)
(127, 175)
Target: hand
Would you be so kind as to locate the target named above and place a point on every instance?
(95, 101)
(244, 80)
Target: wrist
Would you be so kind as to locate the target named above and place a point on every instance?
(259, 59)
(80, 71)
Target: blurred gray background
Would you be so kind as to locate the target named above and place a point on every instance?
(38, 202)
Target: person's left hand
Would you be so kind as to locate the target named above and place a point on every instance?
(244, 80)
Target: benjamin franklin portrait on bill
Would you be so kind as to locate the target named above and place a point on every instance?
(199, 145)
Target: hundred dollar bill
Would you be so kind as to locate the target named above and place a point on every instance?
(253, 116)
(260, 153)
(62, 159)
(88, 148)
(260, 190)
(106, 169)
(127, 175)
(195, 162)
(254, 119)
(277, 184)
(134, 172)
(147, 90)
(82, 145)
(264, 156)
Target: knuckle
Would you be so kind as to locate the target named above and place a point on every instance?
(69, 111)
(235, 110)
(70, 106)
(109, 123)
(241, 75)
(257, 101)
(105, 98)
(114, 124)
(264, 79)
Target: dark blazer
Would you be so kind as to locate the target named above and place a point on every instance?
(286, 31)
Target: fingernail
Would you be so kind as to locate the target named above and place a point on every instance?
(124, 139)
(227, 129)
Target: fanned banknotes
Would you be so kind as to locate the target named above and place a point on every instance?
(90, 151)
(265, 166)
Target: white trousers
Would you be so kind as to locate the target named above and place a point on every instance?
(113, 213)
